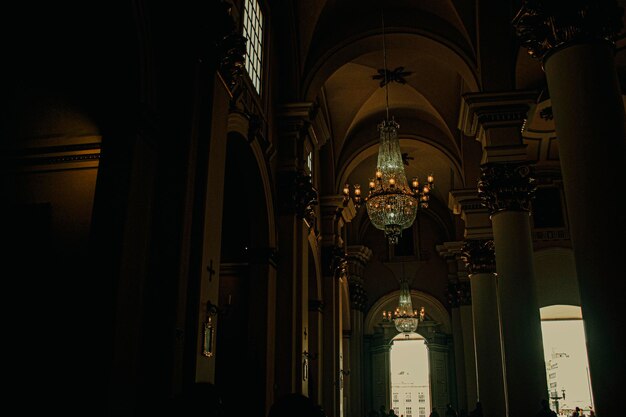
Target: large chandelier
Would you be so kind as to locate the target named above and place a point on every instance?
(392, 203)
(404, 317)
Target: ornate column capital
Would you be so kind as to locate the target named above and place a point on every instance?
(334, 261)
(358, 257)
(459, 294)
(230, 45)
(358, 295)
(543, 26)
(479, 256)
(297, 195)
(508, 186)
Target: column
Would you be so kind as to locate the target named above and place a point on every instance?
(464, 296)
(477, 253)
(480, 259)
(573, 43)
(316, 326)
(334, 216)
(345, 374)
(505, 188)
(438, 352)
(358, 256)
(449, 255)
(381, 377)
(297, 199)
(262, 279)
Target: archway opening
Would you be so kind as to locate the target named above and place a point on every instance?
(410, 381)
(565, 354)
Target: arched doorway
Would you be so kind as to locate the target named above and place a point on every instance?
(247, 268)
(410, 376)
(565, 354)
(380, 336)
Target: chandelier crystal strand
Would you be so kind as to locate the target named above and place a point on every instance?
(391, 204)
(405, 319)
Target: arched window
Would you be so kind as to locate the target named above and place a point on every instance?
(253, 31)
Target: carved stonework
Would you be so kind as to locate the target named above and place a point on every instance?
(459, 294)
(544, 25)
(479, 256)
(298, 195)
(358, 295)
(334, 261)
(232, 58)
(506, 186)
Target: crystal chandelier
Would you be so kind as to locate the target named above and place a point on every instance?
(404, 317)
(392, 203)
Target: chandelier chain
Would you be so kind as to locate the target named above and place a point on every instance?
(385, 66)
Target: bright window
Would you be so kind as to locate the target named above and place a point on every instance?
(253, 31)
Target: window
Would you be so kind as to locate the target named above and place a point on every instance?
(408, 397)
(396, 410)
(253, 31)
(395, 397)
(309, 162)
(408, 412)
(421, 397)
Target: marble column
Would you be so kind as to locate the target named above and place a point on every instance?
(506, 190)
(449, 252)
(477, 254)
(480, 259)
(574, 44)
(465, 308)
(358, 256)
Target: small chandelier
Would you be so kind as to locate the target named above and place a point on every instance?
(392, 203)
(404, 317)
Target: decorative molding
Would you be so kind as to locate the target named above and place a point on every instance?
(481, 109)
(298, 195)
(479, 256)
(508, 186)
(543, 26)
(231, 47)
(387, 76)
(358, 295)
(334, 261)
(467, 204)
